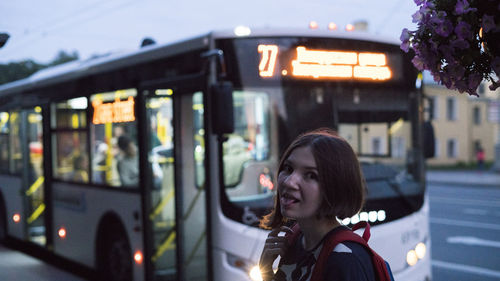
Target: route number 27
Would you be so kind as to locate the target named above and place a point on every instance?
(268, 57)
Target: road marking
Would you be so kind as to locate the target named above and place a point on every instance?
(447, 200)
(466, 268)
(470, 211)
(472, 241)
(465, 223)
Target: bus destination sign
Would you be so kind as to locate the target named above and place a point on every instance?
(324, 64)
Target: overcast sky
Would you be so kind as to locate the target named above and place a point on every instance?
(40, 29)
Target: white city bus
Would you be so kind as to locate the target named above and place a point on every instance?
(158, 164)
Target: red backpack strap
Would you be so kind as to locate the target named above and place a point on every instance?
(346, 235)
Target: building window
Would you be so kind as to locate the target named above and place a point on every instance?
(477, 115)
(433, 108)
(398, 147)
(451, 148)
(376, 146)
(451, 108)
(436, 148)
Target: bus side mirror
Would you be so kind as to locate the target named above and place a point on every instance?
(222, 108)
(429, 140)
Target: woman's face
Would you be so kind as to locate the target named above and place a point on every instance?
(298, 185)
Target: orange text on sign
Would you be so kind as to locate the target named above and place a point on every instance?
(113, 112)
(327, 64)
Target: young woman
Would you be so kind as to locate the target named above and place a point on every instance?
(319, 180)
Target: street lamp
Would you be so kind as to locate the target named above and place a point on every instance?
(3, 39)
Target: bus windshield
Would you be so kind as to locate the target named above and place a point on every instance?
(274, 104)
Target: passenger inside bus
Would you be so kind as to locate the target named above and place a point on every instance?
(80, 166)
(127, 163)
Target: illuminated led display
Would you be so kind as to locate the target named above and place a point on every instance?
(113, 112)
(326, 64)
(268, 60)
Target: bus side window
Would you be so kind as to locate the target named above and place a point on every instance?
(69, 123)
(115, 159)
(4, 142)
(16, 158)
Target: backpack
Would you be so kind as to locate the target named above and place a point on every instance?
(381, 267)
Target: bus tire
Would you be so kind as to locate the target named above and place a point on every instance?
(116, 256)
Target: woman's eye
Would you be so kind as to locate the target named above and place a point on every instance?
(287, 168)
(312, 176)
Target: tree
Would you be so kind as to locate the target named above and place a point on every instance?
(19, 70)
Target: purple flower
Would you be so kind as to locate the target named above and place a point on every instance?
(495, 65)
(473, 82)
(460, 44)
(405, 39)
(456, 71)
(418, 62)
(446, 81)
(417, 16)
(419, 2)
(447, 53)
(488, 23)
(444, 29)
(463, 30)
(437, 18)
(460, 85)
(462, 7)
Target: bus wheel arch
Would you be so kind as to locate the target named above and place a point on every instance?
(113, 250)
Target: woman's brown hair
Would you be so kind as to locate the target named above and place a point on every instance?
(339, 176)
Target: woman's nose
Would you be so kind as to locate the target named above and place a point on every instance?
(292, 180)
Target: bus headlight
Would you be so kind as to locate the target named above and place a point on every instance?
(255, 273)
(416, 254)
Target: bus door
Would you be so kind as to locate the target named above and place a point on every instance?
(175, 197)
(33, 175)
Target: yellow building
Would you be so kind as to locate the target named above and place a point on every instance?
(462, 123)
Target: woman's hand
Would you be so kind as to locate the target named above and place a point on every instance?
(275, 246)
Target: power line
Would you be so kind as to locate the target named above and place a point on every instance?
(20, 45)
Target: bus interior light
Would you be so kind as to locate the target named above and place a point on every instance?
(313, 25)
(138, 257)
(16, 217)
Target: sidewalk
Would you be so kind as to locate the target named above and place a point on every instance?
(464, 177)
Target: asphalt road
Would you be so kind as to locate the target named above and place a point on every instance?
(17, 266)
(465, 232)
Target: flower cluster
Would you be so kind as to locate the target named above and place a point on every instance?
(458, 41)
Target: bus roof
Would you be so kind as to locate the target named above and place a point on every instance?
(81, 68)
(305, 32)
(101, 64)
